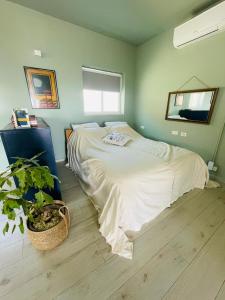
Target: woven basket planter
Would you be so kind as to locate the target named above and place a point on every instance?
(51, 238)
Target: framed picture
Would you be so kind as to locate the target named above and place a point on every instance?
(42, 87)
(20, 118)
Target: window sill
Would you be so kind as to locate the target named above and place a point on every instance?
(104, 114)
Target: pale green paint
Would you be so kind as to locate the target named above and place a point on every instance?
(66, 48)
(130, 20)
(160, 69)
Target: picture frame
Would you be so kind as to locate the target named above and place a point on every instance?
(197, 107)
(20, 118)
(42, 87)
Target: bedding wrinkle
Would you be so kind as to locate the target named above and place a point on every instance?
(133, 184)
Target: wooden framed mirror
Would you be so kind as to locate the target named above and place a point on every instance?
(194, 106)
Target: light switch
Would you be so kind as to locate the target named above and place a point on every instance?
(174, 132)
(184, 134)
(37, 53)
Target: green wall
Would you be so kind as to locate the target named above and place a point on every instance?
(66, 48)
(160, 69)
(153, 69)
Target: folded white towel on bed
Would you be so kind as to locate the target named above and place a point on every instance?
(116, 138)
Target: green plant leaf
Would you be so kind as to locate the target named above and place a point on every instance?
(6, 228)
(36, 156)
(3, 195)
(21, 175)
(49, 179)
(12, 203)
(14, 227)
(5, 179)
(39, 196)
(17, 193)
(2, 181)
(47, 198)
(17, 163)
(4, 172)
(9, 182)
(11, 215)
(30, 217)
(36, 176)
(27, 206)
(42, 199)
(21, 226)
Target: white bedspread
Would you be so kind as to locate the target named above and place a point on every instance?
(131, 185)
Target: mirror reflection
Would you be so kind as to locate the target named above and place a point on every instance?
(191, 106)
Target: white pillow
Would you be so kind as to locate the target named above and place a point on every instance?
(116, 124)
(85, 125)
(116, 138)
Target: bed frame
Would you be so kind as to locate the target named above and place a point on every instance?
(67, 132)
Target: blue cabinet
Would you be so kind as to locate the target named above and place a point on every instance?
(27, 142)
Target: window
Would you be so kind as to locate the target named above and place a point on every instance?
(179, 99)
(102, 92)
(196, 101)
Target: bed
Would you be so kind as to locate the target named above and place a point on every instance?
(131, 185)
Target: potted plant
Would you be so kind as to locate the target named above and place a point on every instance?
(47, 219)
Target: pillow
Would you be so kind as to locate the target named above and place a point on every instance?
(85, 125)
(116, 138)
(125, 129)
(115, 124)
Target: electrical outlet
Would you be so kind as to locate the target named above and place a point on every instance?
(174, 132)
(210, 165)
(142, 127)
(184, 134)
(215, 168)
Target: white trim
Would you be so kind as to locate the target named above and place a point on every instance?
(60, 160)
(105, 113)
(102, 72)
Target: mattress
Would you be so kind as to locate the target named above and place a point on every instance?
(131, 185)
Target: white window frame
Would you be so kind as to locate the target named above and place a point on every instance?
(121, 98)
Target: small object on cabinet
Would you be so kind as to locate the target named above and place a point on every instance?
(33, 121)
(20, 118)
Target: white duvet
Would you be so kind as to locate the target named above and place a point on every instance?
(131, 185)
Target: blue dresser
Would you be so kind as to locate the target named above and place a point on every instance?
(27, 142)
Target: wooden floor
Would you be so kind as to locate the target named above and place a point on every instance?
(180, 255)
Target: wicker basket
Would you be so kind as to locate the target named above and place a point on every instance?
(51, 238)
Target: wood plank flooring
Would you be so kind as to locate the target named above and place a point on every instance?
(180, 255)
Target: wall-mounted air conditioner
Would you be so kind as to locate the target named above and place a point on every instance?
(204, 25)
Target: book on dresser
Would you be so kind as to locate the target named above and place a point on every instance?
(20, 118)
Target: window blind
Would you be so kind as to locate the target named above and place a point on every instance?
(100, 80)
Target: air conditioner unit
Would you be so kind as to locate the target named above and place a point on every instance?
(202, 26)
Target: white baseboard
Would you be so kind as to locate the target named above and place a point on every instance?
(217, 178)
(60, 160)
